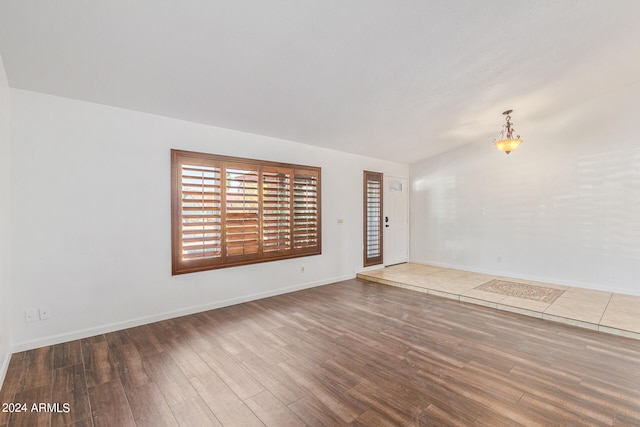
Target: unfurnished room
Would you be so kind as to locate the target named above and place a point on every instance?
(319, 213)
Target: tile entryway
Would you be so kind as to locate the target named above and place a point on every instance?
(597, 310)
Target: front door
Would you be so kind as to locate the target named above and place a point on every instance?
(396, 220)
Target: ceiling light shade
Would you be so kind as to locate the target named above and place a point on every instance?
(507, 142)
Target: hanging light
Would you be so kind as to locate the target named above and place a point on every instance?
(507, 142)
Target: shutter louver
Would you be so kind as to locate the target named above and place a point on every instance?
(201, 236)
(276, 208)
(242, 211)
(306, 208)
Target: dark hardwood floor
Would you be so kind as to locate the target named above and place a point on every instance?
(349, 353)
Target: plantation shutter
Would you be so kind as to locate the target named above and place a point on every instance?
(372, 218)
(242, 212)
(197, 227)
(229, 211)
(306, 211)
(276, 211)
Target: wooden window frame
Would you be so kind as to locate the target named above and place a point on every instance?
(372, 231)
(231, 211)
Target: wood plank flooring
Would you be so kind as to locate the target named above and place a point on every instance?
(350, 353)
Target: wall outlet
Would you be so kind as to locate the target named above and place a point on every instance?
(29, 316)
(45, 314)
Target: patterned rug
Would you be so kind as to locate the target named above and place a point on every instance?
(521, 290)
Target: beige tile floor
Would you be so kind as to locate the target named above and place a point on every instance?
(601, 311)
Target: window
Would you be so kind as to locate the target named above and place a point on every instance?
(372, 218)
(229, 211)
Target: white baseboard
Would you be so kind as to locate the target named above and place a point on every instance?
(112, 327)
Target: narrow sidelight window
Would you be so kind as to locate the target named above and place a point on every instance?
(372, 218)
(229, 211)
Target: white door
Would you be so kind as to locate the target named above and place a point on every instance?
(395, 220)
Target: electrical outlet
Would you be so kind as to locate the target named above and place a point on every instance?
(29, 316)
(45, 314)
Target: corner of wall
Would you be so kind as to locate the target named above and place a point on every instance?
(5, 229)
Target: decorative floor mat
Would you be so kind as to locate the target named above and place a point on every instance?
(521, 290)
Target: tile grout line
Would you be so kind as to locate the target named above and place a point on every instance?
(604, 311)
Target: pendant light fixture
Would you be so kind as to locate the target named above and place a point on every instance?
(507, 142)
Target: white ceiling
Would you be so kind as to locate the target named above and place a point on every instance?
(394, 79)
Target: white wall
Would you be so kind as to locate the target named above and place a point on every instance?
(91, 218)
(5, 231)
(564, 207)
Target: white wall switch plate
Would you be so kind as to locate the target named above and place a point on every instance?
(29, 316)
(45, 314)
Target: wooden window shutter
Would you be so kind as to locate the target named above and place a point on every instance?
(229, 211)
(196, 204)
(277, 224)
(372, 218)
(306, 211)
(241, 218)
